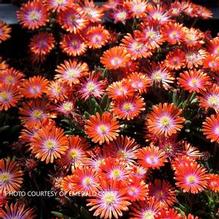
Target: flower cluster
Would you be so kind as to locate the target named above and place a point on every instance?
(122, 120)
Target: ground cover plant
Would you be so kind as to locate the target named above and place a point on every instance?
(110, 111)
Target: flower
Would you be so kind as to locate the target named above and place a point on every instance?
(72, 19)
(164, 120)
(17, 210)
(147, 209)
(213, 47)
(137, 8)
(42, 43)
(194, 81)
(71, 71)
(49, 143)
(210, 128)
(115, 57)
(76, 154)
(96, 36)
(173, 33)
(73, 44)
(11, 176)
(33, 14)
(163, 192)
(110, 201)
(120, 14)
(168, 213)
(175, 59)
(128, 108)
(58, 5)
(213, 182)
(190, 176)
(151, 157)
(211, 62)
(9, 96)
(102, 128)
(5, 31)
(34, 87)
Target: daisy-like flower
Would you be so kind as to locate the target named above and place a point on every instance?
(34, 112)
(163, 192)
(73, 44)
(85, 181)
(120, 15)
(157, 14)
(9, 96)
(173, 33)
(175, 59)
(195, 57)
(151, 157)
(213, 182)
(49, 143)
(92, 87)
(194, 81)
(33, 14)
(57, 91)
(17, 210)
(210, 98)
(93, 12)
(160, 76)
(71, 71)
(128, 108)
(96, 36)
(5, 31)
(139, 82)
(110, 202)
(147, 209)
(168, 213)
(102, 128)
(151, 35)
(120, 89)
(42, 43)
(203, 12)
(76, 154)
(137, 189)
(210, 128)
(11, 76)
(190, 176)
(67, 186)
(213, 47)
(164, 120)
(34, 87)
(11, 176)
(58, 5)
(115, 58)
(137, 8)
(211, 62)
(123, 148)
(72, 19)
(135, 47)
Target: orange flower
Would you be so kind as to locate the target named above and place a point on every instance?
(72, 19)
(128, 108)
(115, 58)
(213, 46)
(211, 62)
(71, 71)
(73, 44)
(5, 31)
(96, 36)
(164, 120)
(151, 157)
(11, 176)
(49, 143)
(102, 128)
(17, 210)
(211, 128)
(34, 87)
(213, 182)
(137, 8)
(58, 5)
(169, 213)
(33, 14)
(110, 201)
(9, 96)
(42, 43)
(194, 81)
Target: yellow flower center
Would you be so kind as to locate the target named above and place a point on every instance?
(213, 100)
(50, 144)
(4, 177)
(165, 121)
(116, 61)
(97, 38)
(191, 179)
(71, 73)
(194, 82)
(127, 107)
(109, 198)
(121, 15)
(157, 76)
(4, 96)
(87, 181)
(37, 114)
(74, 154)
(60, 2)
(102, 129)
(148, 214)
(34, 15)
(9, 79)
(138, 8)
(68, 106)
(116, 173)
(90, 86)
